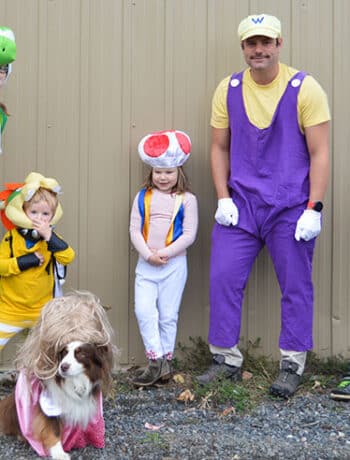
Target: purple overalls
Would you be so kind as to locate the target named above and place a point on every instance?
(269, 183)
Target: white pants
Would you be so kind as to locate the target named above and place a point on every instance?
(158, 293)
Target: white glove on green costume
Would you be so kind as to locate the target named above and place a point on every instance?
(308, 225)
(227, 213)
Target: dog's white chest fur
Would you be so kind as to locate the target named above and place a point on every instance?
(71, 396)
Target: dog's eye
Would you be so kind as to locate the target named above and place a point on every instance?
(79, 352)
(63, 353)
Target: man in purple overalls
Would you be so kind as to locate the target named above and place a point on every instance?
(270, 166)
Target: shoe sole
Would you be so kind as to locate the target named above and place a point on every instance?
(280, 393)
(141, 384)
(340, 397)
(233, 379)
(163, 378)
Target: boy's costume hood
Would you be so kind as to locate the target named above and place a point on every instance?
(7, 46)
(16, 194)
(8, 50)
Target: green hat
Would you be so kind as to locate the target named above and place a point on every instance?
(7, 46)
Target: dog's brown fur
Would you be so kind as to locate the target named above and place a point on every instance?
(44, 357)
(9, 415)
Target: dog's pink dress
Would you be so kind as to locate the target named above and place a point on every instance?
(27, 395)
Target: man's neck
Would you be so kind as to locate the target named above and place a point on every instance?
(264, 76)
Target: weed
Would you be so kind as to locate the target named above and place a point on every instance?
(194, 357)
(223, 392)
(334, 365)
(153, 438)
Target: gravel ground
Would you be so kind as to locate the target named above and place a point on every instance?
(309, 426)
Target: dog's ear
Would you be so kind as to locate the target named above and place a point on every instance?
(104, 352)
(106, 356)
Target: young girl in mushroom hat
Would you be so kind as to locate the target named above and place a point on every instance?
(163, 224)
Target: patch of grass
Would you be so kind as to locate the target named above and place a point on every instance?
(223, 392)
(260, 371)
(324, 373)
(194, 357)
(334, 365)
(153, 438)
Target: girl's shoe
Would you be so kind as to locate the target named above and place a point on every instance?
(167, 370)
(157, 369)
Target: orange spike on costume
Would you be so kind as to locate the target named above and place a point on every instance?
(4, 199)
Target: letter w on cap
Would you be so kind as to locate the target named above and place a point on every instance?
(258, 20)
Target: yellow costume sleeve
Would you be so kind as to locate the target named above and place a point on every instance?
(8, 264)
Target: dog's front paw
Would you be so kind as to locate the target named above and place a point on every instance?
(57, 452)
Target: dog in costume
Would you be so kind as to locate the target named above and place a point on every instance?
(29, 252)
(65, 365)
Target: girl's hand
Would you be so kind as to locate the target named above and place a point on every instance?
(43, 228)
(155, 259)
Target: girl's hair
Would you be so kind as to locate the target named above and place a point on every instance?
(43, 194)
(182, 185)
(4, 108)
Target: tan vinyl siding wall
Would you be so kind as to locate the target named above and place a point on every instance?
(93, 76)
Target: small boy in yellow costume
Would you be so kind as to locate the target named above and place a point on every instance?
(29, 252)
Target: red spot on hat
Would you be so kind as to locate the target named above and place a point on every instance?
(184, 142)
(156, 145)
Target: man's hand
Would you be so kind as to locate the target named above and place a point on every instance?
(227, 212)
(308, 225)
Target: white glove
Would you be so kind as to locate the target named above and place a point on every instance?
(227, 212)
(308, 225)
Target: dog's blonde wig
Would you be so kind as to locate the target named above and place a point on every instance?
(77, 316)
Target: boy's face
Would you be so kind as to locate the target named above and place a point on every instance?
(39, 212)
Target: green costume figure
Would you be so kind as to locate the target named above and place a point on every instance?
(7, 56)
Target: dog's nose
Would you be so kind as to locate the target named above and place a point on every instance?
(64, 367)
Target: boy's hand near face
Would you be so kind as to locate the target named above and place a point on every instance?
(43, 228)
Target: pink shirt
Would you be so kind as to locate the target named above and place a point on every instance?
(27, 395)
(161, 212)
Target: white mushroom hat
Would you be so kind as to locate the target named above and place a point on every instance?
(165, 149)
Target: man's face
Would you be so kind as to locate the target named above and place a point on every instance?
(261, 53)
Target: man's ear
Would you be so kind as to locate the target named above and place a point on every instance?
(279, 42)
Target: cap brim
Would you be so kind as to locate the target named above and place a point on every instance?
(261, 32)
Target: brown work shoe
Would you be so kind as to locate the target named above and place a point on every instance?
(219, 369)
(287, 381)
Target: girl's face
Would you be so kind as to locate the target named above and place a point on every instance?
(165, 179)
(40, 212)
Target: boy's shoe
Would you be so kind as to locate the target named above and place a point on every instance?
(342, 392)
(157, 369)
(219, 369)
(287, 381)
